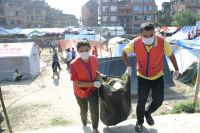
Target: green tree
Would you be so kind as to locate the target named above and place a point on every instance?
(185, 17)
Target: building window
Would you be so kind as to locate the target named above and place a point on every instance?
(137, 8)
(113, 18)
(105, 18)
(136, 29)
(105, 8)
(148, 18)
(113, 8)
(10, 4)
(10, 13)
(138, 17)
(105, 0)
(38, 11)
(147, 8)
(114, 0)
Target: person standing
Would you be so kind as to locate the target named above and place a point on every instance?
(149, 50)
(94, 51)
(73, 54)
(68, 57)
(84, 74)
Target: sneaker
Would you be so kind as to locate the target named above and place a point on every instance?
(95, 131)
(149, 119)
(138, 127)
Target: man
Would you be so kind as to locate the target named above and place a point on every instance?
(73, 54)
(17, 76)
(55, 58)
(150, 51)
(55, 66)
(68, 57)
(94, 51)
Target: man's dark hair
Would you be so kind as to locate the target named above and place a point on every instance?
(83, 43)
(146, 26)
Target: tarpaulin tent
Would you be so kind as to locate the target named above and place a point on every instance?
(21, 56)
(115, 66)
(3, 31)
(180, 35)
(185, 58)
(88, 37)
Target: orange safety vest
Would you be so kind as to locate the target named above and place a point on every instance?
(85, 75)
(149, 63)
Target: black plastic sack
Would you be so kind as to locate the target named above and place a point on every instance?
(115, 104)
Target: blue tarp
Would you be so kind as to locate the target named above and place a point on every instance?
(14, 30)
(182, 34)
(88, 37)
(190, 44)
(3, 31)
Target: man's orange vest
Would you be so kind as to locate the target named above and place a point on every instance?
(149, 63)
(85, 75)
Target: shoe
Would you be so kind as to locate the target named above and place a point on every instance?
(149, 119)
(138, 128)
(95, 131)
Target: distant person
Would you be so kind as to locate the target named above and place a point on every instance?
(55, 66)
(73, 54)
(17, 76)
(55, 57)
(68, 57)
(94, 51)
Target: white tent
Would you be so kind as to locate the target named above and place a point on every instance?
(22, 56)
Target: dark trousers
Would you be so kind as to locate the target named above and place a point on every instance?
(93, 101)
(18, 78)
(144, 86)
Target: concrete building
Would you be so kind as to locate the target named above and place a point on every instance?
(89, 13)
(108, 12)
(33, 14)
(134, 12)
(179, 5)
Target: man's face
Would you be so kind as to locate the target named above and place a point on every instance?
(147, 34)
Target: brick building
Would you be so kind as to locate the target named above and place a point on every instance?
(33, 14)
(89, 13)
(179, 5)
(127, 13)
(108, 12)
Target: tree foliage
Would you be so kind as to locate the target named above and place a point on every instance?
(185, 17)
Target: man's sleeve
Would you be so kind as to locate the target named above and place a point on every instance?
(167, 49)
(73, 73)
(129, 48)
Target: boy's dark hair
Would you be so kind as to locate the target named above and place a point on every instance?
(147, 26)
(83, 43)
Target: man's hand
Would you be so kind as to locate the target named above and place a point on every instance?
(176, 75)
(129, 70)
(97, 84)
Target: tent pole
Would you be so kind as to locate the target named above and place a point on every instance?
(5, 113)
(197, 84)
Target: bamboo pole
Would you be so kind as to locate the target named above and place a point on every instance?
(5, 113)
(197, 84)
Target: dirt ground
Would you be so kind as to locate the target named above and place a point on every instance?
(45, 102)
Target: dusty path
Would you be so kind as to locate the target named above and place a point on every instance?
(43, 102)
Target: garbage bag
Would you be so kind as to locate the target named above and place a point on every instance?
(115, 99)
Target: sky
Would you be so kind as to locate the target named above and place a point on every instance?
(74, 6)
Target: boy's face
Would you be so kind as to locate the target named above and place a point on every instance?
(147, 34)
(83, 49)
